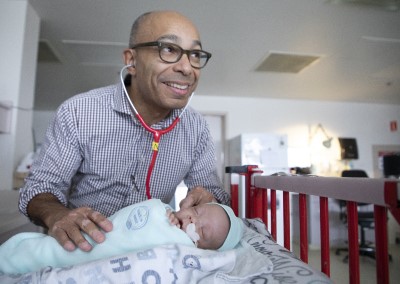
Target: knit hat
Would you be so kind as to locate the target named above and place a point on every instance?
(235, 231)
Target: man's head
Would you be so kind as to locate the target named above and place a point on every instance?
(157, 85)
(216, 225)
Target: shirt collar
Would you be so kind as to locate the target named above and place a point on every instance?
(120, 102)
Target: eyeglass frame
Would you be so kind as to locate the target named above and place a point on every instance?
(160, 45)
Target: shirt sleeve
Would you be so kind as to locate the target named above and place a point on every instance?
(204, 169)
(57, 162)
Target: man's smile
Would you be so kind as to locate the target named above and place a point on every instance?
(177, 86)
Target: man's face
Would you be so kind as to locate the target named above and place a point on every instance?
(211, 221)
(162, 85)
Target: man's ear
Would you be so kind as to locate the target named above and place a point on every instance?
(129, 59)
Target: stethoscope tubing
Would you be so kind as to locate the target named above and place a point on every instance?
(157, 134)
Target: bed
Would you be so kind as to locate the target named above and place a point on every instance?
(258, 258)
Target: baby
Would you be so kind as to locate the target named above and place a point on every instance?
(139, 226)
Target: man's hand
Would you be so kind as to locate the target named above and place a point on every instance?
(196, 196)
(67, 226)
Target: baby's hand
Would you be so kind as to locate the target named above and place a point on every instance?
(173, 220)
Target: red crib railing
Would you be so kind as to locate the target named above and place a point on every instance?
(383, 193)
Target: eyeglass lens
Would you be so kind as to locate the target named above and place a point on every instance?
(173, 53)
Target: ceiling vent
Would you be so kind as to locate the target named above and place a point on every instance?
(46, 53)
(286, 62)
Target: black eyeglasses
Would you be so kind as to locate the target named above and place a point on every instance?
(171, 53)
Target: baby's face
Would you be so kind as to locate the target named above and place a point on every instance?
(211, 221)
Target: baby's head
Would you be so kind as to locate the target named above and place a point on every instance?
(215, 224)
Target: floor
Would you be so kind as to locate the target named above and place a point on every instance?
(340, 271)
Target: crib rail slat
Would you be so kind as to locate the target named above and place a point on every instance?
(265, 207)
(381, 244)
(235, 198)
(258, 203)
(286, 220)
(273, 214)
(354, 259)
(303, 228)
(324, 227)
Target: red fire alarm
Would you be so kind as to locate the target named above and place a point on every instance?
(393, 125)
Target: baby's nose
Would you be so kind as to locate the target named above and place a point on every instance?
(193, 219)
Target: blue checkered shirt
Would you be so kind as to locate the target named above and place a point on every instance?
(97, 154)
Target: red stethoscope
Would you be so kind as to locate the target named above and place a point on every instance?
(156, 133)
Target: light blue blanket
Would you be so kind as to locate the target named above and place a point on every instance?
(140, 226)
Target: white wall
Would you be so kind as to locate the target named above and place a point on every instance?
(368, 123)
(20, 33)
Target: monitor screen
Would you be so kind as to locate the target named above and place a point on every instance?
(391, 165)
(348, 147)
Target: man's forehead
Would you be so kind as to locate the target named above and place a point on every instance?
(162, 25)
(176, 39)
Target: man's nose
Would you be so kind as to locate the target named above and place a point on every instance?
(183, 65)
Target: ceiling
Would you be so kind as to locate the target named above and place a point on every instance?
(357, 46)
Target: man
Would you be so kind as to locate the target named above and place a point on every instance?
(98, 157)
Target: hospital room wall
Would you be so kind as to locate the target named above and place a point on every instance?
(20, 27)
(368, 123)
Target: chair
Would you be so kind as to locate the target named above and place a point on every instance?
(365, 219)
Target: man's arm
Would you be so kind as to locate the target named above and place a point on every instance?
(67, 225)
